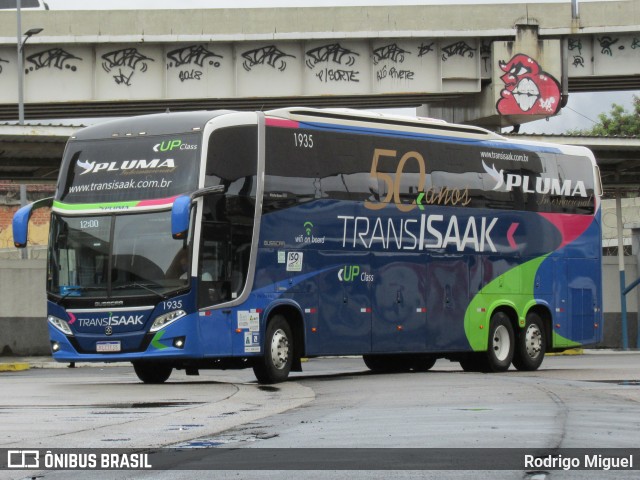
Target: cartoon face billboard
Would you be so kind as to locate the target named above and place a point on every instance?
(528, 89)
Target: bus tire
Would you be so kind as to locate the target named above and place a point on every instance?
(392, 363)
(530, 344)
(274, 366)
(152, 372)
(501, 343)
(474, 362)
(379, 363)
(423, 363)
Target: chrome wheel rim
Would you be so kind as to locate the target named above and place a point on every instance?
(279, 349)
(533, 341)
(501, 343)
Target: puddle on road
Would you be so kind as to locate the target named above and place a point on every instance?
(225, 440)
(629, 383)
(114, 406)
(182, 428)
(149, 404)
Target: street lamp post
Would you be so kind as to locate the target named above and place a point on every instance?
(20, 46)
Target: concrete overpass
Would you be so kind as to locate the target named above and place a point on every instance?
(101, 63)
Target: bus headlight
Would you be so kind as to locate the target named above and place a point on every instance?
(166, 319)
(60, 324)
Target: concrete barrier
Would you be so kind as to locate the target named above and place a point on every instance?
(23, 312)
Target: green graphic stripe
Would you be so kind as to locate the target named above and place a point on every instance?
(514, 289)
(560, 341)
(156, 341)
(95, 206)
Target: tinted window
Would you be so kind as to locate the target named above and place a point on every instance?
(390, 169)
(232, 159)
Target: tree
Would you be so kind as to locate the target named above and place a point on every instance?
(617, 122)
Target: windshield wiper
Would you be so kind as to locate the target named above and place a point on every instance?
(143, 286)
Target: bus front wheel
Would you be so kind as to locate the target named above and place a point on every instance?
(275, 364)
(151, 372)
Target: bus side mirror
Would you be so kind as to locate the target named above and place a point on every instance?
(180, 216)
(21, 218)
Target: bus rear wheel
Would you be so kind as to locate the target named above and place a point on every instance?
(384, 363)
(423, 363)
(275, 364)
(152, 372)
(530, 344)
(500, 350)
(501, 343)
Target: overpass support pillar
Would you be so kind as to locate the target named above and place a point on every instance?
(524, 85)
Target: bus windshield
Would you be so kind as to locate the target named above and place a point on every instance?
(117, 255)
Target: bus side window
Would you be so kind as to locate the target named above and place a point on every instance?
(214, 264)
(232, 159)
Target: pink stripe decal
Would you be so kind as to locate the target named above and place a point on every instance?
(570, 226)
(156, 202)
(510, 232)
(279, 122)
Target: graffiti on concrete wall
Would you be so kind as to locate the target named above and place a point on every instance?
(393, 68)
(338, 61)
(425, 48)
(575, 50)
(127, 61)
(52, 58)
(606, 55)
(269, 55)
(461, 49)
(606, 42)
(190, 61)
(528, 89)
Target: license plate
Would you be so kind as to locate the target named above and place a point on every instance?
(108, 346)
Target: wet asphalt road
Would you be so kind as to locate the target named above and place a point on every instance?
(586, 401)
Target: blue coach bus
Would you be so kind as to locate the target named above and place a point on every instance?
(254, 239)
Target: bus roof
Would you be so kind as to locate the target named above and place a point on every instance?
(358, 117)
(155, 124)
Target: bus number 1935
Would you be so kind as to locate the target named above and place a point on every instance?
(303, 140)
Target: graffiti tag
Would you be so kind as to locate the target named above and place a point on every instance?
(52, 58)
(460, 48)
(128, 58)
(389, 52)
(269, 55)
(425, 48)
(333, 53)
(193, 54)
